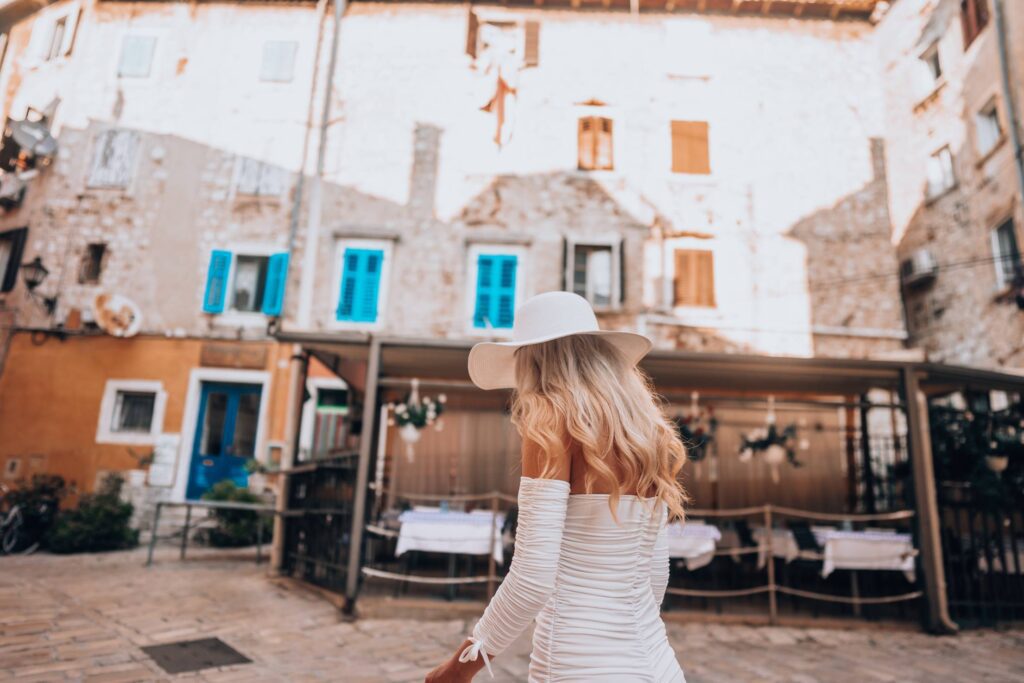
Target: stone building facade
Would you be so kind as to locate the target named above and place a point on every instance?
(955, 177)
(721, 180)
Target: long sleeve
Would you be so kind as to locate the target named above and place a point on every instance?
(659, 563)
(531, 577)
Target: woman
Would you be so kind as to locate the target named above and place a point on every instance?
(599, 483)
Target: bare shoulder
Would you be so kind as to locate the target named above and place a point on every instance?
(536, 461)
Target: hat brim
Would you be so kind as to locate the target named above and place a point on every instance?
(492, 364)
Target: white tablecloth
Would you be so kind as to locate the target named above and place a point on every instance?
(466, 533)
(695, 542)
(869, 550)
(783, 544)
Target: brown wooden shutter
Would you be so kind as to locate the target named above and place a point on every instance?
(694, 278)
(531, 47)
(690, 152)
(472, 28)
(603, 152)
(586, 143)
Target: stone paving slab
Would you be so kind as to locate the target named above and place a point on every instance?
(85, 618)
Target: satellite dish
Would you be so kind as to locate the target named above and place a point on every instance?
(117, 315)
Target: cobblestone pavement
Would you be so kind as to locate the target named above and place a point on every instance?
(86, 617)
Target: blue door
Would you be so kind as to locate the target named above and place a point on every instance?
(225, 435)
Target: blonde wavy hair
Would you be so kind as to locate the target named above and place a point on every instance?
(582, 389)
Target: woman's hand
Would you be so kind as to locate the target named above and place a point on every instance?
(454, 671)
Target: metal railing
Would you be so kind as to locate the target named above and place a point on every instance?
(189, 526)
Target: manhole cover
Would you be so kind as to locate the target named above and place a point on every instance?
(193, 655)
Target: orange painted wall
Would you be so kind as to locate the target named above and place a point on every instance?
(50, 394)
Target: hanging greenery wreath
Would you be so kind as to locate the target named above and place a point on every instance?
(418, 413)
(697, 433)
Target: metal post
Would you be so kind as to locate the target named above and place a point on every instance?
(152, 538)
(259, 537)
(293, 426)
(926, 504)
(773, 608)
(362, 476)
(865, 451)
(184, 531)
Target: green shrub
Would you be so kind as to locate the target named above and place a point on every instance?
(235, 528)
(99, 523)
(38, 500)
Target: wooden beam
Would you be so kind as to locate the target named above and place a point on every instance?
(736, 5)
(834, 14)
(766, 7)
(575, 4)
(702, 5)
(798, 10)
(670, 5)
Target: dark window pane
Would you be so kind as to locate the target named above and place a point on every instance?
(244, 443)
(250, 281)
(133, 411)
(213, 424)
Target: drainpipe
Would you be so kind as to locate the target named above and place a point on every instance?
(299, 362)
(316, 186)
(1008, 95)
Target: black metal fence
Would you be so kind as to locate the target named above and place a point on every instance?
(319, 520)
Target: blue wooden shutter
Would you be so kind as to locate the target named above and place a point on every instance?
(485, 267)
(217, 281)
(277, 281)
(504, 304)
(369, 286)
(360, 285)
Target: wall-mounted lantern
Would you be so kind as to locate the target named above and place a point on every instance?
(33, 273)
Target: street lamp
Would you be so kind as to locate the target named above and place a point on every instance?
(33, 273)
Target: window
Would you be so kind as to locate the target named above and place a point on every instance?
(988, 128)
(940, 173)
(12, 244)
(92, 264)
(493, 41)
(1006, 254)
(495, 299)
(259, 179)
(131, 412)
(249, 283)
(278, 61)
(690, 152)
(360, 285)
(56, 48)
(973, 19)
(694, 278)
(136, 56)
(246, 282)
(113, 161)
(594, 271)
(595, 144)
(932, 63)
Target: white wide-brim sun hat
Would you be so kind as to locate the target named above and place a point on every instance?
(547, 316)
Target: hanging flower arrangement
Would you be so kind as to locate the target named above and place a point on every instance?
(697, 430)
(774, 444)
(415, 414)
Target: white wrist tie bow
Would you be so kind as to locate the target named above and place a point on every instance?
(470, 653)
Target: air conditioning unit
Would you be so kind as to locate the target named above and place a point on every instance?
(919, 268)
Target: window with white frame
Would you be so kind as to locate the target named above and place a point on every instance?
(362, 271)
(53, 33)
(113, 159)
(593, 269)
(136, 56)
(259, 179)
(278, 64)
(988, 128)
(132, 411)
(1006, 253)
(495, 279)
(941, 177)
(247, 280)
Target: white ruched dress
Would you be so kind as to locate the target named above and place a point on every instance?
(594, 585)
